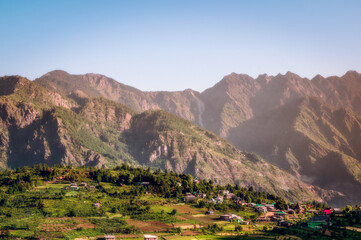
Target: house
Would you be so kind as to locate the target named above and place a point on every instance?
(109, 237)
(229, 195)
(280, 213)
(225, 217)
(219, 199)
(270, 207)
(91, 187)
(76, 188)
(189, 198)
(150, 237)
(261, 209)
(238, 201)
(237, 218)
(97, 205)
(83, 184)
(73, 185)
(318, 222)
(201, 195)
(327, 212)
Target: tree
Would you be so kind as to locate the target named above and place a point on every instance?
(281, 204)
(238, 228)
(348, 208)
(173, 212)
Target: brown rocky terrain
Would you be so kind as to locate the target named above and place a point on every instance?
(39, 125)
(315, 142)
(260, 115)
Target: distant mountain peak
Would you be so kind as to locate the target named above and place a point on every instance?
(351, 73)
(264, 78)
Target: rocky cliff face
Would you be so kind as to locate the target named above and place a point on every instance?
(184, 104)
(35, 128)
(260, 115)
(236, 98)
(310, 139)
(159, 139)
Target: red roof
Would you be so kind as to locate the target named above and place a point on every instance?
(327, 211)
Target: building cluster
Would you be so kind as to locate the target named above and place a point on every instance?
(233, 217)
(219, 198)
(76, 187)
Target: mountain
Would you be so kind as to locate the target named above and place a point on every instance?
(185, 104)
(259, 115)
(39, 125)
(236, 98)
(315, 142)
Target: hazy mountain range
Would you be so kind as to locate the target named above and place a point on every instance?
(308, 128)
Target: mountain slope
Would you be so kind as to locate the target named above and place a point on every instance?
(185, 104)
(104, 133)
(267, 106)
(236, 98)
(310, 139)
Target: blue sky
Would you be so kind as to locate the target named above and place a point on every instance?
(174, 45)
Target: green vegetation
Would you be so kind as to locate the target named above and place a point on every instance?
(39, 202)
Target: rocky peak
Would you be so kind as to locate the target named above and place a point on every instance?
(264, 79)
(317, 78)
(351, 74)
(10, 84)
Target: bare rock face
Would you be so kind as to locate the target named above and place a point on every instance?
(306, 137)
(274, 116)
(18, 116)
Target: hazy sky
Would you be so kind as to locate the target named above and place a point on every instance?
(174, 45)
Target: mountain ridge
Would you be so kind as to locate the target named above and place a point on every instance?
(239, 98)
(101, 133)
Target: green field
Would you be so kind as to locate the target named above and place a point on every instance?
(32, 206)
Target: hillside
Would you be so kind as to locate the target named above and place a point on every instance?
(259, 115)
(127, 202)
(310, 139)
(236, 98)
(103, 133)
(185, 104)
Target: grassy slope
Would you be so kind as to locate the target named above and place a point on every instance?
(48, 209)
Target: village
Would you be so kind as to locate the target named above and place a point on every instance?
(136, 203)
(269, 213)
(265, 212)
